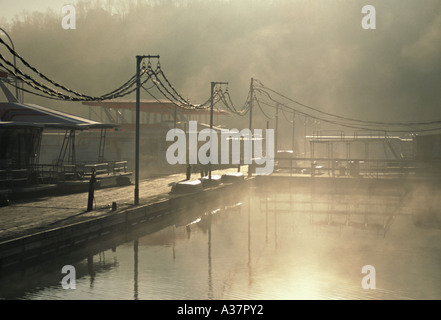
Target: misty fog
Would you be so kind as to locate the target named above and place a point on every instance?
(313, 51)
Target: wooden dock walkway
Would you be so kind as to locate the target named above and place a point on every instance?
(25, 217)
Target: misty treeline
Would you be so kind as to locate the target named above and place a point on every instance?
(191, 36)
(313, 51)
(198, 40)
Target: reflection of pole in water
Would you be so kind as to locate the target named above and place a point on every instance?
(174, 242)
(210, 279)
(311, 201)
(91, 269)
(188, 230)
(275, 220)
(249, 240)
(291, 206)
(330, 218)
(266, 219)
(135, 273)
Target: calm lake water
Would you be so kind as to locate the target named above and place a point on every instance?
(289, 244)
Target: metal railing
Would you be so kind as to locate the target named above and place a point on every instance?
(13, 178)
(356, 167)
(86, 169)
(51, 173)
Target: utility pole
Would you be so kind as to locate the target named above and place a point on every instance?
(138, 88)
(304, 145)
(213, 84)
(250, 127)
(251, 103)
(293, 131)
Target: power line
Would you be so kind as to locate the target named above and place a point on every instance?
(351, 123)
(164, 86)
(39, 73)
(263, 88)
(167, 89)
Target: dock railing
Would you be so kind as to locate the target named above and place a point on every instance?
(86, 169)
(10, 178)
(51, 173)
(355, 167)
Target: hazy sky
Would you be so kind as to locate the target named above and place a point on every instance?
(314, 51)
(10, 8)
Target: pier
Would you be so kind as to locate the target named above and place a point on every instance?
(40, 228)
(46, 233)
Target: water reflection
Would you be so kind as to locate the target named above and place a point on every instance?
(135, 272)
(210, 276)
(294, 242)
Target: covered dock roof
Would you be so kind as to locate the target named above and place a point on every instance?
(6, 124)
(14, 111)
(49, 118)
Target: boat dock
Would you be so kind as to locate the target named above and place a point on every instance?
(49, 225)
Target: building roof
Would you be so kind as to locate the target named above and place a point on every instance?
(49, 118)
(14, 111)
(5, 124)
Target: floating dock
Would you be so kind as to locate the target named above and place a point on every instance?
(54, 226)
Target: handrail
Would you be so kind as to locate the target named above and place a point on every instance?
(50, 173)
(356, 166)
